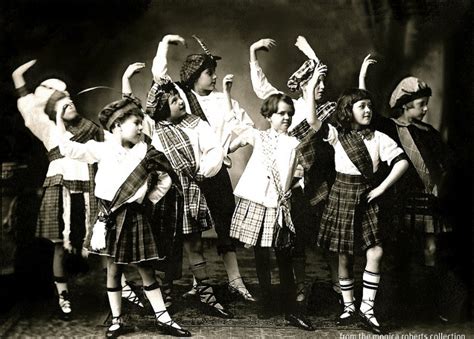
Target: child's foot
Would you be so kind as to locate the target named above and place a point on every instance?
(348, 315)
(300, 321)
(128, 293)
(237, 287)
(65, 306)
(367, 316)
(206, 294)
(116, 329)
(169, 326)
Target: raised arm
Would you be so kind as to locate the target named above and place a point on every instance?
(128, 74)
(160, 62)
(363, 70)
(17, 75)
(304, 47)
(312, 117)
(261, 85)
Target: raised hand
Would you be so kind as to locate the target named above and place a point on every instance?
(17, 74)
(365, 65)
(227, 82)
(263, 44)
(304, 47)
(132, 69)
(174, 39)
(320, 69)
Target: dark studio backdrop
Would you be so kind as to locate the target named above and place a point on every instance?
(90, 43)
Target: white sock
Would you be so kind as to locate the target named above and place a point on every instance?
(158, 305)
(370, 285)
(347, 290)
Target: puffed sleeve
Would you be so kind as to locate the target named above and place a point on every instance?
(161, 187)
(90, 152)
(261, 85)
(389, 150)
(329, 133)
(211, 151)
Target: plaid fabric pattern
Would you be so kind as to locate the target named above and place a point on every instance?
(413, 153)
(195, 107)
(353, 144)
(50, 222)
(158, 95)
(179, 151)
(195, 64)
(302, 75)
(421, 214)
(349, 223)
(248, 220)
(132, 240)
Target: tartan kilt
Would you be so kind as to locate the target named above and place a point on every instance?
(248, 220)
(421, 213)
(50, 224)
(348, 223)
(132, 239)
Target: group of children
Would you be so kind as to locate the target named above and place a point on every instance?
(162, 179)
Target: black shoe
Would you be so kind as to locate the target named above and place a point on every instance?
(369, 325)
(117, 331)
(351, 319)
(208, 299)
(65, 311)
(299, 321)
(168, 327)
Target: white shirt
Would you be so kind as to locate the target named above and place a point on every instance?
(214, 105)
(38, 122)
(115, 163)
(256, 184)
(381, 148)
(207, 151)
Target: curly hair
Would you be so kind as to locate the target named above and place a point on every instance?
(118, 111)
(343, 114)
(270, 104)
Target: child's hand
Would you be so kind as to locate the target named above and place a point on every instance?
(304, 47)
(133, 69)
(321, 69)
(227, 82)
(174, 39)
(375, 193)
(365, 65)
(23, 68)
(263, 44)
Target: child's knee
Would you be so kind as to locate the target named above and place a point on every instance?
(375, 253)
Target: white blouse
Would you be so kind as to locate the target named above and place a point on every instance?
(115, 163)
(207, 151)
(256, 183)
(381, 148)
(38, 122)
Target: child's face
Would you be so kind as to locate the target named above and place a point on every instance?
(206, 81)
(417, 109)
(281, 120)
(66, 106)
(131, 130)
(177, 107)
(319, 89)
(362, 112)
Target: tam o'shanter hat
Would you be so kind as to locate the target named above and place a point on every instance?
(48, 93)
(407, 90)
(196, 63)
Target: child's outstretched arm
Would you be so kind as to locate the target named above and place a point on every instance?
(128, 74)
(160, 62)
(261, 85)
(311, 116)
(17, 75)
(363, 70)
(397, 171)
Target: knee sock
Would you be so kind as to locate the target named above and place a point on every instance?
(153, 293)
(347, 290)
(61, 284)
(371, 282)
(115, 300)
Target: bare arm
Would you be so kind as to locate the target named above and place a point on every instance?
(312, 117)
(17, 75)
(160, 62)
(363, 70)
(128, 74)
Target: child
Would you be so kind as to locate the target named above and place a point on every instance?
(262, 217)
(225, 116)
(122, 232)
(418, 192)
(67, 180)
(350, 219)
(194, 153)
(309, 196)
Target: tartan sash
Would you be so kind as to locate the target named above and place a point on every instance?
(195, 107)
(353, 144)
(179, 151)
(405, 134)
(283, 222)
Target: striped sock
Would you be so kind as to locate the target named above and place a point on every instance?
(347, 289)
(371, 282)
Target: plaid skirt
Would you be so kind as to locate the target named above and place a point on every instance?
(349, 223)
(421, 213)
(132, 239)
(248, 220)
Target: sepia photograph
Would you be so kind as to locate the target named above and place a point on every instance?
(236, 169)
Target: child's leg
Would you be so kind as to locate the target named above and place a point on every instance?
(60, 280)
(233, 273)
(263, 268)
(194, 249)
(430, 249)
(371, 279)
(287, 279)
(114, 288)
(346, 281)
(153, 293)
